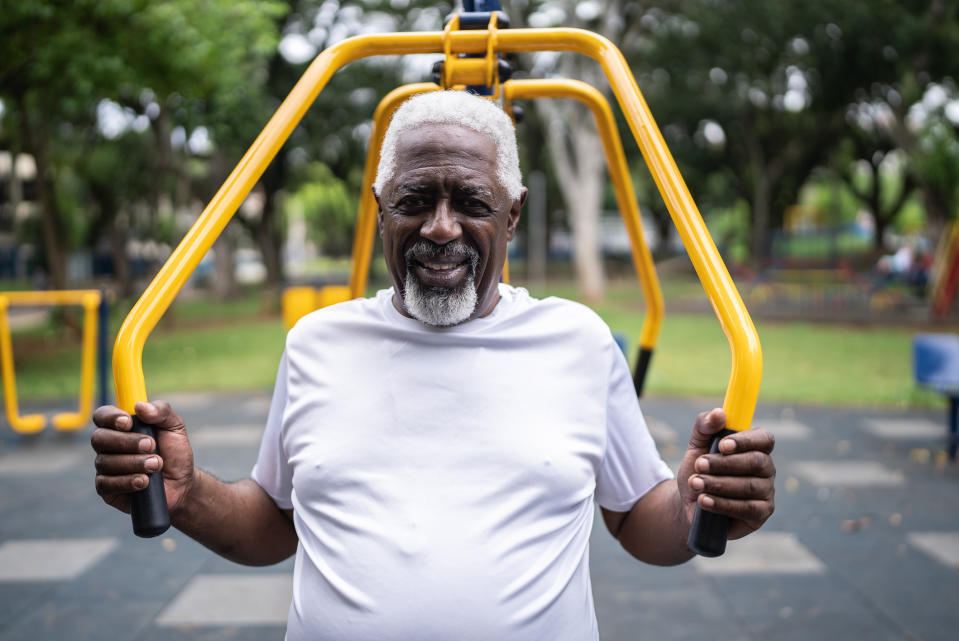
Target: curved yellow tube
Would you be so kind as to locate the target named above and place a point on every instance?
(743, 388)
(622, 185)
(32, 423)
(81, 418)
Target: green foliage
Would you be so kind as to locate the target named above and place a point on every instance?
(166, 62)
(329, 208)
(729, 228)
(937, 163)
(778, 80)
(211, 347)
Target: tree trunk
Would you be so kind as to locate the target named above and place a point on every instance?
(270, 251)
(585, 208)
(580, 173)
(121, 263)
(267, 239)
(881, 218)
(760, 219)
(224, 282)
(54, 235)
(224, 277)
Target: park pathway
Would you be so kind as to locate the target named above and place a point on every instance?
(864, 543)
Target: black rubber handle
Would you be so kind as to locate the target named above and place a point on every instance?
(642, 364)
(148, 507)
(707, 536)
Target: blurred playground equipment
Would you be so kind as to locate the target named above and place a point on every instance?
(945, 271)
(472, 43)
(94, 327)
(935, 359)
(832, 271)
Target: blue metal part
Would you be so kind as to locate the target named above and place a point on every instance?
(621, 341)
(935, 359)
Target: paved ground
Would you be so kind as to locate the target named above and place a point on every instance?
(864, 543)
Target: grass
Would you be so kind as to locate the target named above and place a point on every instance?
(198, 345)
(209, 346)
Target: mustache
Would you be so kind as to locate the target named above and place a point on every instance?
(425, 250)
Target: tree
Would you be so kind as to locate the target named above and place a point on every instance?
(874, 171)
(761, 90)
(93, 51)
(335, 129)
(570, 131)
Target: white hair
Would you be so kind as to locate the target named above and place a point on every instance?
(455, 108)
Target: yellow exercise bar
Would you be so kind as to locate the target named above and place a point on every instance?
(512, 90)
(32, 423)
(743, 387)
(622, 185)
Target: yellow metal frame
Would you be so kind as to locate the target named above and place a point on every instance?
(746, 367)
(521, 90)
(32, 423)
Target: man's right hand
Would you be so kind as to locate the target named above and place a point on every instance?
(124, 458)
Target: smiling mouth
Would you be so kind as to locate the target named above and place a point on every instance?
(439, 267)
(442, 266)
(446, 275)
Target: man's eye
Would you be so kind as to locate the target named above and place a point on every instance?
(412, 202)
(474, 204)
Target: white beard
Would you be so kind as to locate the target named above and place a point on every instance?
(440, 306)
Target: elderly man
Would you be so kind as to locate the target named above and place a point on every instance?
(433, 454)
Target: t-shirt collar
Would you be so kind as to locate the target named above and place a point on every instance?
(500, 311)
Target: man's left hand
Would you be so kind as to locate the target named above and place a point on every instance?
(736, 482)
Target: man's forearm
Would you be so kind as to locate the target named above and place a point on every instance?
(238, 521)
(656, 529)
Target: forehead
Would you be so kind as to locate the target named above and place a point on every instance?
(451, 150)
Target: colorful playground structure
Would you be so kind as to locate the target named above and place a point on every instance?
(472, 44)
(945, 271)
(94, 335)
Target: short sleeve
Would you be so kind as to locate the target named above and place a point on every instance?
(272, 470)
(631, 465)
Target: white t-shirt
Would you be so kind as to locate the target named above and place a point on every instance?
(443, 480)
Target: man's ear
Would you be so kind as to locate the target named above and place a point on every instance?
(514, 213)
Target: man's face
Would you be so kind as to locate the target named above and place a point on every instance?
(445, 221)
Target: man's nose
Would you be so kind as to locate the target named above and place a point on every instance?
(441, 226)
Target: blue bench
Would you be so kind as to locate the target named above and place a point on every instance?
(935, 359)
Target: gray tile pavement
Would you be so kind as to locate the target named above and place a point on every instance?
(864, 543)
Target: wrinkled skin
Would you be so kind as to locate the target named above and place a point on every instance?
(445, 189)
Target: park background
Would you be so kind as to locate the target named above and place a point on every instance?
(819, 139)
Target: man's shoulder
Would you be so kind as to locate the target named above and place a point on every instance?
(555, 314)
(572, 311)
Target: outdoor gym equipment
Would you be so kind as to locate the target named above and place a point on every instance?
(300, 301)
(94, 326)
(471, 57)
